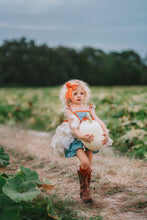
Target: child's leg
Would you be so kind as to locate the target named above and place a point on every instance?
(89, 155)
(83, 174)
(85, 163)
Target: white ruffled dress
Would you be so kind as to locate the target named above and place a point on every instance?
(64, 136)
(64, 143)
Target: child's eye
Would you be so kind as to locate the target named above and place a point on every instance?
(75, 93)
(82, 93)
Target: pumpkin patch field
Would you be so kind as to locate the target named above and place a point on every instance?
(36, 184)
(123, 110)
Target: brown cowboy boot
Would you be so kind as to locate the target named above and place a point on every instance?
(89, 177)
(84, 189)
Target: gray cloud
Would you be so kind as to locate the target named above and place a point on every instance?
(106, 24)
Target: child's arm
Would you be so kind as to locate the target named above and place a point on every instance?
(87, 137)
(105, 130)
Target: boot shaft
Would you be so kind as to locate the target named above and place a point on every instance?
(89, 177)
(84, 188)
(83, 179)
(85, 174)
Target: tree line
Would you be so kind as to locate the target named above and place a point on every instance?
(23, 63)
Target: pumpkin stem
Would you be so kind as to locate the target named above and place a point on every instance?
(89, 117)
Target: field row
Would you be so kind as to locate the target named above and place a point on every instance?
(123, 110)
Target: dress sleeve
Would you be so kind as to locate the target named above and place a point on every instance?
(92, 107)
(68, 107)
(75, 121)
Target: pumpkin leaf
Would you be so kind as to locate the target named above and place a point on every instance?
(140, 124)
(48, 184)
(51, 210)
(47, 181)
(8, 208)
(134, 133)
(145, 140)
(28, 175)
(136, 146)
(19, 190)
(145, 156)
(2, 182)
(4, 158)
(133, 122)
(118, 114)
(5, 175)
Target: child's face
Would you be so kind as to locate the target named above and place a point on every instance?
(78, 96)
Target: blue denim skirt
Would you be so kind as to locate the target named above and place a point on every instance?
(75, 145)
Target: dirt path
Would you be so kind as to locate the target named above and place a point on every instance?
(118, 187)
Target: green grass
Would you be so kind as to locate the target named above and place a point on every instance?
(123, 109)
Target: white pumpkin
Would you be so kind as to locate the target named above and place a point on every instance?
(92, 127)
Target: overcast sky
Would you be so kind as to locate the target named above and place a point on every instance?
(110, 25)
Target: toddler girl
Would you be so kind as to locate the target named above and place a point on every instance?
(67, 141)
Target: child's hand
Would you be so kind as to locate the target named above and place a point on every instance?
(92, 110)
(105, 140)
(68, 107)
(88, 138)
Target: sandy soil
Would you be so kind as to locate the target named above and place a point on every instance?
(118, 186)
